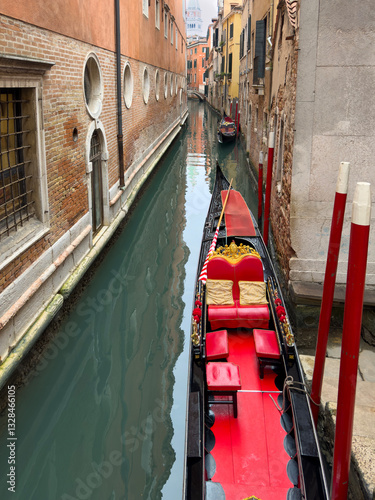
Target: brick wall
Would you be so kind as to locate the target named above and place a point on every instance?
(283, 106)
(64, 110)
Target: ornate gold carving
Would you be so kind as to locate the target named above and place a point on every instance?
(234, 253)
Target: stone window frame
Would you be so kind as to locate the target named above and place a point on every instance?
(166, 24)
(146, 86)
(145, 8)
(93, 70)
(128, 83)
(157, 14)
(98, 126)
(165, 85)
(157, 84)
(27, 74)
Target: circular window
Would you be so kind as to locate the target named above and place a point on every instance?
(165, 85)
(157, 84)
(93, 86)
(146, 85)
(171, 84)
(128, 85)
(176, 85)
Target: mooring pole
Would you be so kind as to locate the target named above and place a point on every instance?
(260, 188)
(329, 286)
(267, 203)
(358, 248)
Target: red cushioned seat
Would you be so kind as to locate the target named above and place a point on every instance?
(267, 348)
(223, 379)
(236, 315)
(217, 346)
(266, 344)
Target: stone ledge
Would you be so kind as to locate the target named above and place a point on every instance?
(306, 293)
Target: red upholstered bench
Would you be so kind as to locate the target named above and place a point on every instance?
(217, 346)
(223, 379)
(267, 349)
(231, 309)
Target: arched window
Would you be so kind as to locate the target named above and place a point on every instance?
(96, 182)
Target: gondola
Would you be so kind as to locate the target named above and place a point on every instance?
(226, 131)
(249, 431)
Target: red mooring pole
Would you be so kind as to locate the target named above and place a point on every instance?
(329, 286)
(267, 203)
(260, 187)
(351, 334)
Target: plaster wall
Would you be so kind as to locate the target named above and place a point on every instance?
(334, 122)
(93, 22)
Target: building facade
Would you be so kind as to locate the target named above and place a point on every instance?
(197, 57)
(304, 74)
(86, 112)
(223, 68)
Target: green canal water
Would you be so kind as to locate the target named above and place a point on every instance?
(103, 414)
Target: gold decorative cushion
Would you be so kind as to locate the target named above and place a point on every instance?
(219, 292)
(252, 292)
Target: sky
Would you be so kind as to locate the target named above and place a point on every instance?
(209, 10)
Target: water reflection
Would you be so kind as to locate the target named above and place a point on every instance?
(103, 414)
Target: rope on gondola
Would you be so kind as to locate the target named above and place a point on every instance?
(291, 384)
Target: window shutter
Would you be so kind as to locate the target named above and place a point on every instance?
(230, 64)
(248, 33)
(260, 48)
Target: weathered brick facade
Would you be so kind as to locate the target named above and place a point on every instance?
(54, 52)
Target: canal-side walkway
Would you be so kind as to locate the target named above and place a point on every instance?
(362, 473)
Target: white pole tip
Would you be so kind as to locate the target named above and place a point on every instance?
(271, 140)
(361, 214)
(343, 178)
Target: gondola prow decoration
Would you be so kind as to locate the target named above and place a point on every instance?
(281, 319)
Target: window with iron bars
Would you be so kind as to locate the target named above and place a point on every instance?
(16, 194)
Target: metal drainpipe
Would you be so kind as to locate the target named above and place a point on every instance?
(119, 103)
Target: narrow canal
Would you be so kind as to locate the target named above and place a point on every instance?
(103, 414)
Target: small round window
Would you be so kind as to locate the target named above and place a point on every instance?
(93, 86)
(157, 84)
(165, 85)
(128, 85)
(146, 85)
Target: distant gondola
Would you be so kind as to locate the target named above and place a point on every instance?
(250, 432)
(226, 131)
